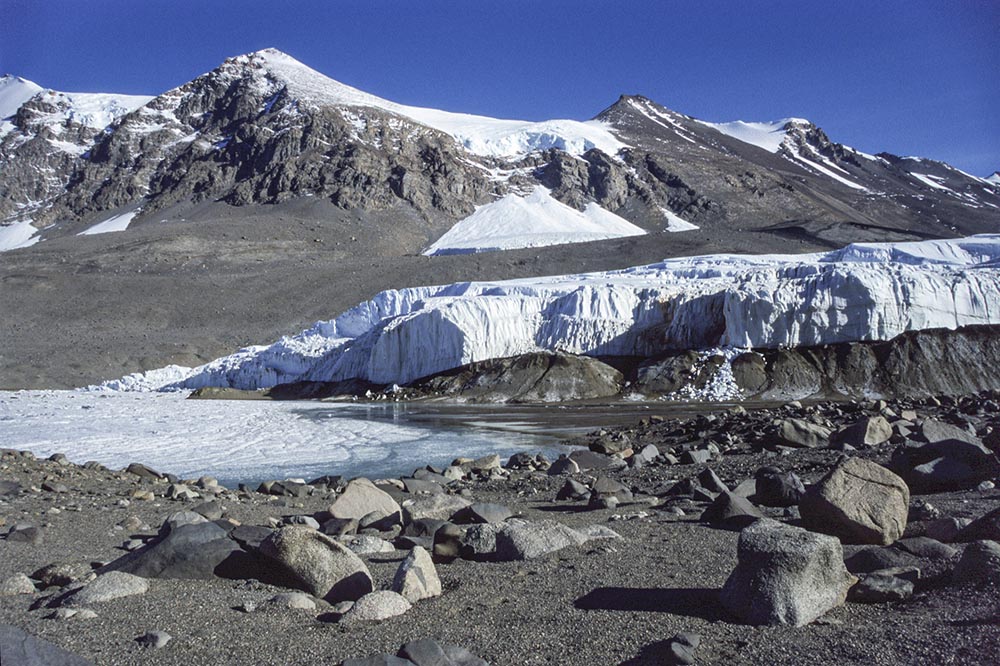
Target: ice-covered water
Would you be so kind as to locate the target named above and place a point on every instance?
(243, 441)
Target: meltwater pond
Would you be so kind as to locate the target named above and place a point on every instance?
(249, 441)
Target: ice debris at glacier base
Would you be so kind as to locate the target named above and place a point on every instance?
(865, 291)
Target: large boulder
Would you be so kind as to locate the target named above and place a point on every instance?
(362, 498)
(773, 487)
(318, 564)
(194, 550)
(107, 587)
(523, 540)
(434, 507)
(785, 575)
(802, 434)
(376, 606)
(951, 459)
(858, 501)
(417, 577)
(730, 511)
(986, 527)
(428, 652)
(869, 431)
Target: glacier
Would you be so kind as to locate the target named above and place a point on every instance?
(863, 292)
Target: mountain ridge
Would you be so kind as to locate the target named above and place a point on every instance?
(150, 156)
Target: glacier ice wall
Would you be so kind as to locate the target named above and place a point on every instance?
(861, 292)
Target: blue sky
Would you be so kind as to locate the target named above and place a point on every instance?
(911, 78)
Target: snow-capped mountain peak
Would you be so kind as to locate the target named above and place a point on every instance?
(994, 178)
(15, 91)
(480, 135)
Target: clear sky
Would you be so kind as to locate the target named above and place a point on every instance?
(914, 77)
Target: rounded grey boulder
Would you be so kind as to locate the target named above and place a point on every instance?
(785, 575)
(109, 586)
(318, 564)
(859, 502)
(377, 606)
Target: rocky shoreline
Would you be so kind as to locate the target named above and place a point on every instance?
(827, 532)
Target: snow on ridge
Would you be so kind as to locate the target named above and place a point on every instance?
(15, 91)
(993, 179)
(536, 220)
(481, 135)
(767, 135)
(773, 137)
(930, 181)
(870, 291)
(94, 110)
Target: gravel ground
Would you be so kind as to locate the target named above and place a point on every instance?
(607, 602)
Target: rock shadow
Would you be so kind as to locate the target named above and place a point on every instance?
(700, 602)
(653, 654)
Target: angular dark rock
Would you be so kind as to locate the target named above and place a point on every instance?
(731, 511)
(880, 588)
(195, 551)
(984, 528)
(980, 563)
(22, 649)
(776, 488)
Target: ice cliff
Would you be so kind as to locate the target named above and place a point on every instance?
(861, 292)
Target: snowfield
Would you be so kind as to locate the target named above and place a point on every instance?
(17, 235)
(866, 291)
(536, 220)
(114, 223)
(767, 135)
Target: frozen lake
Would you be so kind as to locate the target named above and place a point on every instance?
(250, 441)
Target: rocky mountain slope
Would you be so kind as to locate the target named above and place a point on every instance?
(292, 197)
(264, 128)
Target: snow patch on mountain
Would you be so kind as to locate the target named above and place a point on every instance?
(930, 181)
(480, 135)
(774, 137)
(994, 178)
(56, 110)
(18, 235)
(665, 120)
(118, 222)
(769, 136)
(822, 164)
(675, 222)
(869, 291)
(94, 110)
(536, 220)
